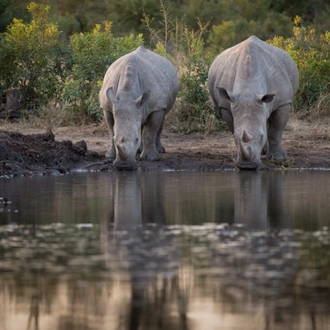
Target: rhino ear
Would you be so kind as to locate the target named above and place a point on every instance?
(111, 96)
(143, 98)
(227, 95)
(267, 98)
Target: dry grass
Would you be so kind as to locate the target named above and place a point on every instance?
(321, 107)
(312, 127)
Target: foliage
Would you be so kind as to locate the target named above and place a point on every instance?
(196, 110)
(254, 20)
(196, 12)
(78, 16)
(10, 9)
(129, 13)
(307, 9)
(185, 48)
(311, 53)
(92, 54)
(31, 58)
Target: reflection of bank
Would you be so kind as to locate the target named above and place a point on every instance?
(143, 253)
(256, 257)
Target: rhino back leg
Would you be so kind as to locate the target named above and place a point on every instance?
(276, 125)
(159, 145)
(151, 135)
(110, 122)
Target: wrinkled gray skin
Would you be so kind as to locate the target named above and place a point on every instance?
(138, 90)
(252, 84)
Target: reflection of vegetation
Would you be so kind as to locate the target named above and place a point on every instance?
(315, 260)
(54, 249)
(60, 271)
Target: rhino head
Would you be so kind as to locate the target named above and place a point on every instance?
(250, 112)
(128, 118)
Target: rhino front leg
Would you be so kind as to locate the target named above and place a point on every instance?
(277, 122)
(108, 116)
(151, 136)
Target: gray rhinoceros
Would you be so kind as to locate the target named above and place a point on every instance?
(252, 84)
(138, 90)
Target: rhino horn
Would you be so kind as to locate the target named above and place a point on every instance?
(244, 151)
(246, 137)
(121, 152)
(244, 147)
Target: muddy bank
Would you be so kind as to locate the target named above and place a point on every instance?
(29, 154)
(27, 151)
(22, 154)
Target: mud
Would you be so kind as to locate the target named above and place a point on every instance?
(28, 151)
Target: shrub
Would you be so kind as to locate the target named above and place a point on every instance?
(32, 59)
(92, 54)
(196, 109)
(311, 53)
(193, 110)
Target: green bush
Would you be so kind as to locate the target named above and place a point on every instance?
(92, 54)
(32, 59)
(196, 110)
(311, 53)
(193, 110)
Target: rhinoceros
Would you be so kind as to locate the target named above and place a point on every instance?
(138, 90)
(253, 84)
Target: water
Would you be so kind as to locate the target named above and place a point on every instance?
(227, 250)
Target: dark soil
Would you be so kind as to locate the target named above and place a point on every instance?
(41, 154)
(28, 151)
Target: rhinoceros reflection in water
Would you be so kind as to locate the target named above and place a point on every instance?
(139, 249)
(255, 257)
(258, 201)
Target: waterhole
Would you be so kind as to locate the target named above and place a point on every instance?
(176, 250)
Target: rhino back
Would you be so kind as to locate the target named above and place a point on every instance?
(140, 71)
(255, 63)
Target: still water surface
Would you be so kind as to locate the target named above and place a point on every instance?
(192, 251)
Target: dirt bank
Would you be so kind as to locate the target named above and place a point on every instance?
(25, 150)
